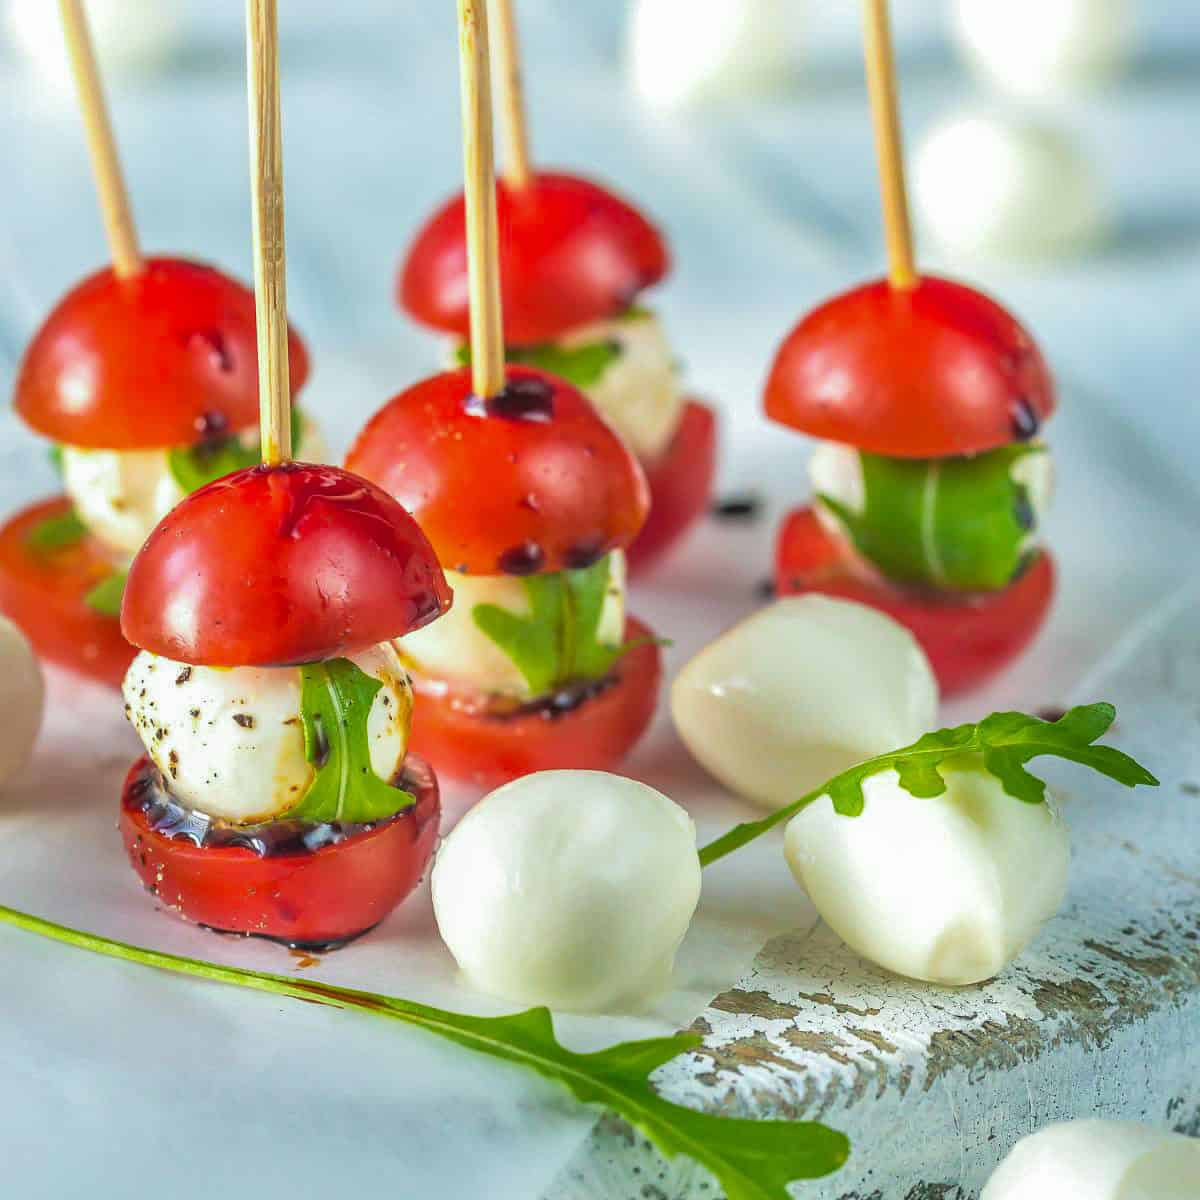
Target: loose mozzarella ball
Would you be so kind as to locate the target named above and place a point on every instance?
(22, 696)
(1099, 1160)
(800, 691)
(229, 741)
(948, 889)
(1045, 47)
(572, 889)
(454, 650)
(1003, 188)
(681, 53)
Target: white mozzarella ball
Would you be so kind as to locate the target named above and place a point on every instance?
(947, 889)
(992, 187)
(1099, 1160)
(681, 53)
(1037, 48)
(799, 692)
(571, 889)
(454, 650)
(22, 698)
(230, 742)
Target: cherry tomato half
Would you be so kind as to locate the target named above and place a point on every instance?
(968, 638)
(43, 590)
(273, 566)
(313, 898)
(680, 486)
(571, 252)
(530, 481)
(164, 358)
(466, 742)
(931, 372)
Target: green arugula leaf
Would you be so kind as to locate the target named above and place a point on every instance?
(751, 1160)
(54, 452)
(105, 598)
(1003, 744)
(583, 366)
(335, 701)
(53, 533)
(194, 467)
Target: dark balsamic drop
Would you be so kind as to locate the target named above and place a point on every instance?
(765, 589)
(1023, 512)
(525, 559)
(743, 507)
(523, 399)
(1025, 421)
(584, 553)
(212, 426)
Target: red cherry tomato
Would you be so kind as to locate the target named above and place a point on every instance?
(680, 486)
(160, 359)
(571, 252)
(462, 740)
(43, 590)
(530, 481)
(967, 638)
(273, 566)
(304, 898)
(931, 372)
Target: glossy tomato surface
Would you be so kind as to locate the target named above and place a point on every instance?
(681, 483)
(533, 480)
(931, 372)
(43, 590)
(273, 566)
(967, 638)
(571, 252)
(465, 741)
(164, 358)
(308, 898)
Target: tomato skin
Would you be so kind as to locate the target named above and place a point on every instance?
(159, 359)
(312, 898)
(571, 252)
(517, 489)
(967, 638)
(935, 371)
(681, 482)
(43, 593)
(274, 566)
(486, 751)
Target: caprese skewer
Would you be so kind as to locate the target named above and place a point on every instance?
(277, 796)
(530, 501)
(929, 477)
(575, 262)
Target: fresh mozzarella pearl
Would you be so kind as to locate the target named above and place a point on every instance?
(569, 888)
(948, 889)
(1045, 47)
(21, 699)
(454, 650)
(1006, 188)
(681, 53)
(799, 692)
(1099, 1160)
(230, 742)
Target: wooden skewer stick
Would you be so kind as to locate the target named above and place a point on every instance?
(479, 171)
(106, 166)
(516, 166)
(266, 186)
(889, 147)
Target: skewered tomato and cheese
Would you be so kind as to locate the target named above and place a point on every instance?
(574, 260)
(147, 385)
(929, 477)
(529, 500)
(277, 796)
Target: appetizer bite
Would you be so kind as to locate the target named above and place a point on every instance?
(575, 260)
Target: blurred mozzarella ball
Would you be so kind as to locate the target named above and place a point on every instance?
(947, 889)
(800, 691)
(130, 36)
(571, 889)
(22, 698)
(1036, 48)
(229, 741)
(1002, 188)
(1099, 1160)
(682, 53)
